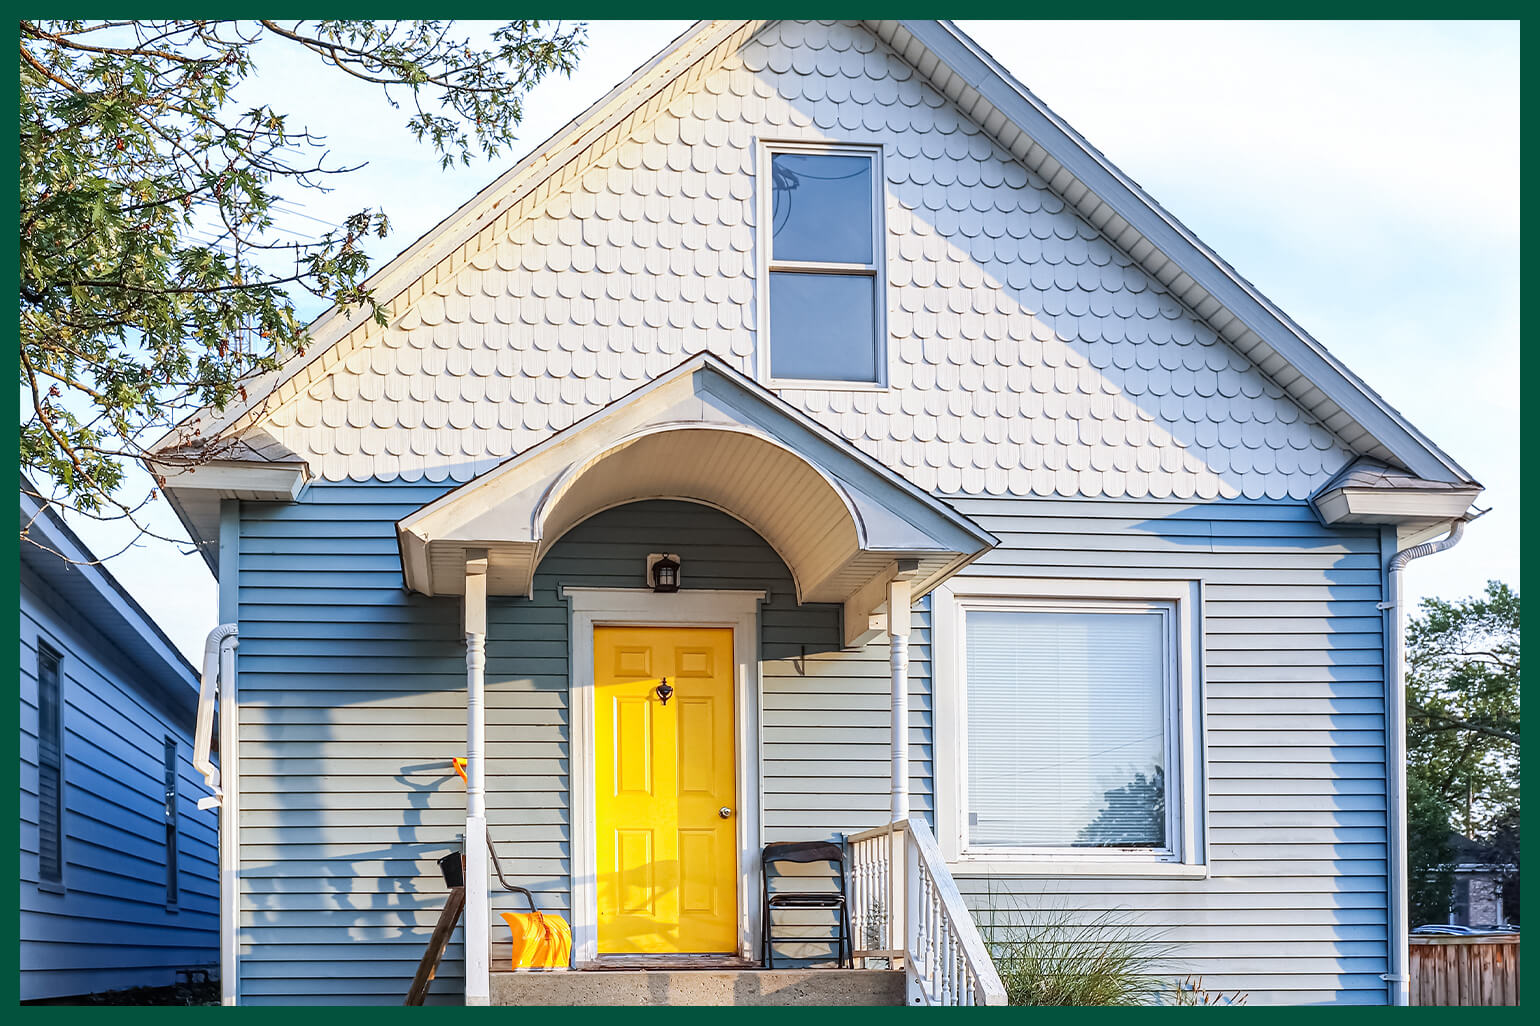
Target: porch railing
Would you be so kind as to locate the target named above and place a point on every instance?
(906, 909)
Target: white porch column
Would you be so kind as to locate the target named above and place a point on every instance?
(898, 662)
(478, 984)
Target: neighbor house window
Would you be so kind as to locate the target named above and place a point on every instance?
(169, 759)
(1073, 727)
(824, 308)
(50, 767)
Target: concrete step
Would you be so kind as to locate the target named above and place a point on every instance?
(700, 987)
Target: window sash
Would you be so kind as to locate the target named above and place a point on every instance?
(1169, 851)
(874, 269)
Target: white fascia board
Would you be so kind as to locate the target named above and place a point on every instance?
(237, 479)
(856, 469)
(1389, 506)
(444, 514)
(1191, 254)
(390, 281)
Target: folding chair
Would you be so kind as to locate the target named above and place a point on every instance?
(832, 900)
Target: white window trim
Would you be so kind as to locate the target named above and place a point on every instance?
(1186, 808)
(642, 607)
(768, 148)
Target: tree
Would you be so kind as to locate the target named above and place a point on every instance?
(1429, 856)
(1462, 696)
(155, 275)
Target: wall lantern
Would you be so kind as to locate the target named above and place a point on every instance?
(663, 572)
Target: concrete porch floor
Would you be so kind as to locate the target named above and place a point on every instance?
(866, 987)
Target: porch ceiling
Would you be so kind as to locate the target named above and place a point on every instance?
(703, 433)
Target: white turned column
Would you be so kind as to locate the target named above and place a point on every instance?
(898, 663)
(478, 983)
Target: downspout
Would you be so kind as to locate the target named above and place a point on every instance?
(1399, 977)
(208, 693)
(219, 683)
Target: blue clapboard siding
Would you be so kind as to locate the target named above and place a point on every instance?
(1294, 909)
(353, 702)
(108, 927)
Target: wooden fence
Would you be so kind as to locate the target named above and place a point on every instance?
(1476, 970)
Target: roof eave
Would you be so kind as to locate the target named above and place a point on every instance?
(1178, 243)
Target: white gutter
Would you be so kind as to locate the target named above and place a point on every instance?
(1399, 977)
(208, 691)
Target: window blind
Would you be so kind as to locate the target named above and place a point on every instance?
(1066, 728)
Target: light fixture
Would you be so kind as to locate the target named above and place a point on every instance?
(663, 572)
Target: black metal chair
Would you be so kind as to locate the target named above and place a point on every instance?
(831, 900)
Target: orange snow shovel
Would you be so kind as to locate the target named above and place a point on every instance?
(540, 940)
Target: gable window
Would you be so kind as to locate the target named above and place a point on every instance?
(50, 768)
(822, 298)
(173, 891)
(1072, 724)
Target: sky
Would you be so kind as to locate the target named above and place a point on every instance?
(1364, 176)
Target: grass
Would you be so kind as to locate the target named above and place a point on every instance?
(1057, 956)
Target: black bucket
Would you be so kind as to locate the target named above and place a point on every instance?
(453, 868)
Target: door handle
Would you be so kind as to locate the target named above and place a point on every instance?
(725, 812)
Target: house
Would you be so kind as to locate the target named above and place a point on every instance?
(1020, 542)
(118, 882)
(1483, 876)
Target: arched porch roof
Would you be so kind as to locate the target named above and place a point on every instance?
(842, 522)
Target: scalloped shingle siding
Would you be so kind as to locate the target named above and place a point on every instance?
(1027, 355)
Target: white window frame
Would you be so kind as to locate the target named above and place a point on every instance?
(877, 269)
(1186, 819)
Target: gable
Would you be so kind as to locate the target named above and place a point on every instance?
(1027, 354)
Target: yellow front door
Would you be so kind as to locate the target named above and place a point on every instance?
(667, 794)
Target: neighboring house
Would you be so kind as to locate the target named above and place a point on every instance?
(917, 388)
(1480, 875)
(118, 882)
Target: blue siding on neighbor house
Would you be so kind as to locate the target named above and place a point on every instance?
(108, 926)
(353, 703)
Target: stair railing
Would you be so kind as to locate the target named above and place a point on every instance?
(906, 910)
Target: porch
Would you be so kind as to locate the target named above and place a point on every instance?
(857, 546)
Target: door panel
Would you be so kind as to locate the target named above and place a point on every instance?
(667, 860)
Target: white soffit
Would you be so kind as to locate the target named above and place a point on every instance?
(195, 492)
(705, 434)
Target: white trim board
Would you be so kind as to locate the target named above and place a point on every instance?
(641, 607)
(766, 149)
(1186, 716)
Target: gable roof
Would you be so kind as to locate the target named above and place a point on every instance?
(964, 73)
(65, 563)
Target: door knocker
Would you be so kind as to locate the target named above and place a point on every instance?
(664, 691)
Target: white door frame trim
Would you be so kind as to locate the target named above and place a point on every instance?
(641, 607)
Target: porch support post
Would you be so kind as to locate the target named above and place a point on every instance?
(898, 661)
(478, 983)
